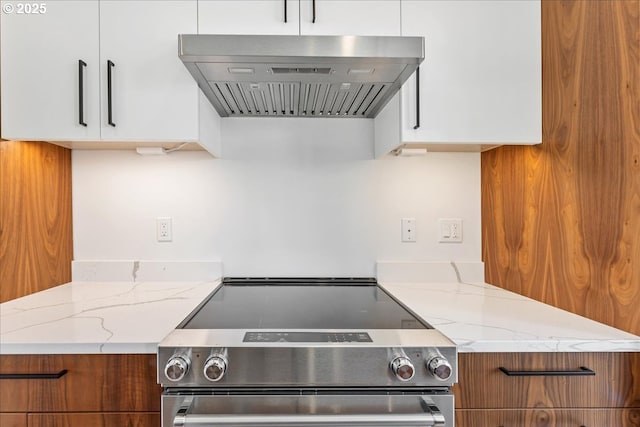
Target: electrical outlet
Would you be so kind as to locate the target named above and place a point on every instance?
(450, 230)
(408, 229)
(163, 229)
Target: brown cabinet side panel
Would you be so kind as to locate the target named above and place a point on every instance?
(94, 383)
(13, 420)
(95, 420)
(561, 221)
(36, 242)
(482, 385)
(548, 418)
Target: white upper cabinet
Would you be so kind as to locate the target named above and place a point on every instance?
(272, 17)
(296, 17)
(108, 71)
(124, 54)
(153, 96)
(480, 84)
(42, 72)
(481, 80)
(350, 17)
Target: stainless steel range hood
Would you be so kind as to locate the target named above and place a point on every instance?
(300, 76)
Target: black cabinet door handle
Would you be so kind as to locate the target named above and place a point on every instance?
(417, 99)
(285, 10)
(579, 372)
(313, 8)
(110, 65)
(52, 376)
(81, 66)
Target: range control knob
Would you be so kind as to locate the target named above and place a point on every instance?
(215, 368)
(177, 367)
(440, 368)
(402, 368)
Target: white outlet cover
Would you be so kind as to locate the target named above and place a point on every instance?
(164, 231)
(408, 230)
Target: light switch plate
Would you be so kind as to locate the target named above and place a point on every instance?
(450, 230)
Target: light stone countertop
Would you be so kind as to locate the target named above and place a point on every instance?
(133, 317)
(98, 317)
(480, 317)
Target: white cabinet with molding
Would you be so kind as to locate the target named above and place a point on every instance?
(123, 55)
(480, 83)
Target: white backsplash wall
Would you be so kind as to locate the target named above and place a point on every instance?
(276, 205)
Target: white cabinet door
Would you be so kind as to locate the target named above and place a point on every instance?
(41, 70)
(248, 17)
(480, 82)
(153, 96)
(350, 17)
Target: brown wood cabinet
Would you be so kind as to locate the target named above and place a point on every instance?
(487, 397)
(36, 239)
(151, 419)
(549, 417)
(13, 420)
(98, 390)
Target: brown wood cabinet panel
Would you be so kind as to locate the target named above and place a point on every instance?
(548, 418)
(95, 420)
(13, 420)
(94, 383)
(36, 242)
(481, 385)
(561, 221)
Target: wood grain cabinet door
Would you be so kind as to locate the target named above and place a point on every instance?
(548, 418)
(13, 420)
(615, 382)
(95, 420)
(92, 383)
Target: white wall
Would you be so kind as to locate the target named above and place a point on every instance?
(276, 204)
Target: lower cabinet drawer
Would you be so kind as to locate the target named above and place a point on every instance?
(86, 383)
(94, 420)
(548, 418)
(13, 420)
(558, 380)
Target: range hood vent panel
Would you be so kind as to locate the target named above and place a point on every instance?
(300, 76)
(297, 99)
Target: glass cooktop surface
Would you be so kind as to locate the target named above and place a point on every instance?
(354, 304)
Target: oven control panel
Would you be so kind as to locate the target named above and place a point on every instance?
(299, 364)
(310, 337)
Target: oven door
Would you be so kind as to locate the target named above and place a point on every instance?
(188, 408)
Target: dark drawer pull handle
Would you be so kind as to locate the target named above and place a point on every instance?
(582, 371)
(110, 65)
(81, 67)
(53, 376)
(417, 99)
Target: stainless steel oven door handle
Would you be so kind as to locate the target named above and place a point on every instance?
(421, 420)
(432, 417)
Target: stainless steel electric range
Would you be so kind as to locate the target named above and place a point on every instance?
(305, 352)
